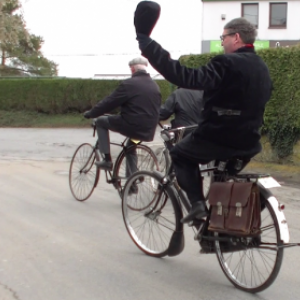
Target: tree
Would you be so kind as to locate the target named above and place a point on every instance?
(20, 51)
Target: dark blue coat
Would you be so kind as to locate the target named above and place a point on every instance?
(139, 99)
(236, 87)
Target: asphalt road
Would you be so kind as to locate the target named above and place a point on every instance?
(56, 248)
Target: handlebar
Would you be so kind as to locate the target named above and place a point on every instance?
(94, 120)
(183, 128)
(168, 134)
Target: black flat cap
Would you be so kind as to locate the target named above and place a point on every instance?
(145, 16)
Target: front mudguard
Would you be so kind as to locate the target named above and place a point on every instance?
(176, 244)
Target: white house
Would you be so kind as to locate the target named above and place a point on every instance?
(277, 21)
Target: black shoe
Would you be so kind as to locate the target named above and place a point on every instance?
(133, 189)
(198, 211)
(104, 165)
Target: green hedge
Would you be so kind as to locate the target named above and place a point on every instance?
(282, 115)
(61, 96)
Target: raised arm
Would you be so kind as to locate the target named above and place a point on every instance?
(204, 78)
(208, 77)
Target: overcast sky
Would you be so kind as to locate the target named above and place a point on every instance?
(90, 37)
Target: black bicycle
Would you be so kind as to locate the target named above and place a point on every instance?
(251, 263)
(84, 175)
(163, 157)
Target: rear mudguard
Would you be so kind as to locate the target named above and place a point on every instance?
(283, 226)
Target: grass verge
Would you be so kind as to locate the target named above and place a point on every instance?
(39, 120)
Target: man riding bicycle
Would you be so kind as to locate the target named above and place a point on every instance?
(185, 104)
(237, 86)
(139, 99)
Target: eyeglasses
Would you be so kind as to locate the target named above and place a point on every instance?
(223, 36)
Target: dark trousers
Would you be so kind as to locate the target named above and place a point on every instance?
(186, 157)
(103, 127)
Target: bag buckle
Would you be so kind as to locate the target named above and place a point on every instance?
(219, 210)
(238, 212)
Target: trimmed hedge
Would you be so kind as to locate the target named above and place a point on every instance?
(282, 115)
(59, 96)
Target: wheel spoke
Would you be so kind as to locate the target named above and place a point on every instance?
(150, 220)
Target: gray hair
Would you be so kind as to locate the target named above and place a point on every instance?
(138, 63)
(244, 28)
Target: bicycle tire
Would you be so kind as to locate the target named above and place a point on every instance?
(146, 160)
(152, 227)
(253, 259)
(83, 174)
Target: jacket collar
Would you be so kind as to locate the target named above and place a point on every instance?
(140, 72)
(246, 48)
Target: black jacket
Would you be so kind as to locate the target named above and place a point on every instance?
(139, 99)
(185, 104)
(236, 83)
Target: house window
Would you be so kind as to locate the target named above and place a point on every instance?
(278, 15)
(250, 13)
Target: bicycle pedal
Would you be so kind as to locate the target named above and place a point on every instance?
(190, 224)
(197, 236)
(196, 222)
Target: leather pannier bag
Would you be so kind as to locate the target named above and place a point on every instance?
(235, 208)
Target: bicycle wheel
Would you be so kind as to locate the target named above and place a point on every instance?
(150, 215)
(83, 174)
(254, 268)
(145, 160)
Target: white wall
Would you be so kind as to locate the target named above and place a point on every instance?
(213, 25)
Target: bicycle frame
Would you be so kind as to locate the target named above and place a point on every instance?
(251, 262)
(110, 177)
(84, 175)
(207, 238)
(108, 174)
(169, 179)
